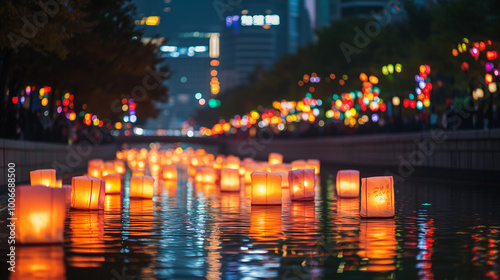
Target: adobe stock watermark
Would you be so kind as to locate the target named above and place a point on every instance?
(122, 276)
(372, 29)
(223, 6)
(258, 143)
(425, 148)
(30, 29)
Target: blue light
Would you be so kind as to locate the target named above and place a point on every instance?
(335, 96)
(420, 105)
(411, 96)
(421, 84)
(418, 90)
(133, 119)
(375, 117)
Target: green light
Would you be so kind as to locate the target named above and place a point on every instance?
(390, 68)
(385, 71)
(399, 67)
(197, 95)
(213, 103)
(309, 95)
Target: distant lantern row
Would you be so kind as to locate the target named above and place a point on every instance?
(43, 205)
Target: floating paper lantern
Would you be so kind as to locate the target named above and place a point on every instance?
(59, 183)
(313, 163)
(301, 183)
(95, 168)
(229, 179)
(141, 187)
(40, 212)
(87, 193)
(377, 197)
(266, 188)
(119, 167)
(232, 162)
(170, 172)
(113, 183)
(299, 164)
(275, 158)
(109, 168)
(347, 184)
(206, 175)
(44, 177)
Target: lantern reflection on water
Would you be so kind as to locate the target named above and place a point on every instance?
(113, 183)
(348, 207)
(347, 184)
(301, 183)
(40, 212)
(266, 188)
(87, 239)
(229, 179)
(377, 197)
(87, 193)
(44, 177)
(39, 262)
(378, 239)
(266, 224)
(141, 187)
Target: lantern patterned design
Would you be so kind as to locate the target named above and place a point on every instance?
(229, 180)
(275, 158)
(87, 193)
(347, 184)
(44, 177)
(113, 183)
(41, 212)
(377, 197)
(301, 183)
(141, 187)
(170, 172)
(266, 188)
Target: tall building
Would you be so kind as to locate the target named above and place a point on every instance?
(257, 33)
(333, 10)
(188, 30)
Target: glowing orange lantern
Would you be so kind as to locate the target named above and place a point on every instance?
(377, 197)
(347, 183)
(119, 167)
(301, 183)
(109, 168)
(113, 183)
(41, 212)
(170, 172)
(232, 162)
(59, 183)
(95, 167)
(206, 175)
(87, 193)
(299, 164)
(313, 163)
(142, 187)
(229, 179)
(275, 158)
(44, 177)
(266, 188)
(136, 172)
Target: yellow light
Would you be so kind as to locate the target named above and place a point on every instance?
(427, 103)
(153, 20)
(396, 101)
(45, 101)
(72, 116)
(255, 115)
(66, 96)
(42, 91)
(492, 87)
(118, 125)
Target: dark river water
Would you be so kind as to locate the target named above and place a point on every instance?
(440, 231)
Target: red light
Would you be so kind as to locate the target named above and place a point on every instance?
(482, 46)
(382, 107)
(100, 123)
(124, 100)
(363, 107)
(131, 106)
(413, 104)
(491, 55)
(15, 99)
(406, 103)
(465, 66)
(71, 97)
(47, 89)
(65, 102)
